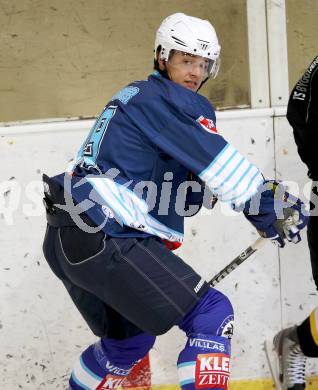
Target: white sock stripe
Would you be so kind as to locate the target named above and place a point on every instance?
(84, 376)
(186, 372)
(79, 383)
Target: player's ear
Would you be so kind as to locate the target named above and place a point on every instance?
(161, 63)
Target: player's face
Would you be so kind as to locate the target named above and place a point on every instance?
(186, 69)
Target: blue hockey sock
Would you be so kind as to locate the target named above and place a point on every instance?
(213, 314)
(205, 363)
(106, 364)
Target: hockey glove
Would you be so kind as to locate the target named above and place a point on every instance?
(276, 214)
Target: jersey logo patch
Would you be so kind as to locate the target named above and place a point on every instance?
(207, 124)
(227, 327)
(212, 371)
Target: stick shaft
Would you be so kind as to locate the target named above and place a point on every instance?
(237, 261)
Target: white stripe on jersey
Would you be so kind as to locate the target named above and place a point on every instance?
(132, 210)
(232, 177)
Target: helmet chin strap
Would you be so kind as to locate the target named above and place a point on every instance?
(203, 82)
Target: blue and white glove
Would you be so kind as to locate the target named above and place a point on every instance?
(276, 214)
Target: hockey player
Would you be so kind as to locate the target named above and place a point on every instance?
(293, 345)
(122, 207)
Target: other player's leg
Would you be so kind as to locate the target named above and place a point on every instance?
(312, 233)
(287, 361)
(288, 353)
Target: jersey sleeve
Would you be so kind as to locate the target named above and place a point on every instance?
(302, 114)
(193, 140)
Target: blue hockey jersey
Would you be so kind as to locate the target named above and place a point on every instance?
(131, 175)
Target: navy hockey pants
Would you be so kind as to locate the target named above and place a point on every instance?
(123, 286)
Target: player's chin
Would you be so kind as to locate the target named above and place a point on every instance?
(191, 85)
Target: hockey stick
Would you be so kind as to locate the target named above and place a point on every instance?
(237, 261)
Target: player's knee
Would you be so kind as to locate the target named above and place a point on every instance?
(213, 314)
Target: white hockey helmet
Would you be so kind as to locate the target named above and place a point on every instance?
(190, 35)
